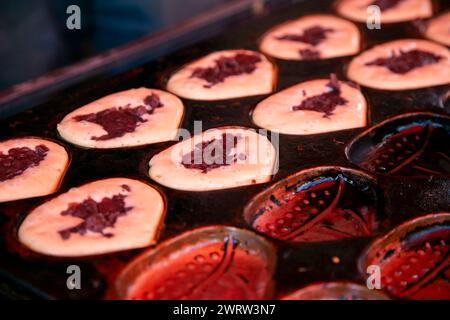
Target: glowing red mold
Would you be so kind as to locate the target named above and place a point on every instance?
(414, 258)
(207, 263)
(319, 204)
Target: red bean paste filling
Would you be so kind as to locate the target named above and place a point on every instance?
(386, 4)
(206, 158)
(225, 67)
(309, 54)
(312, 35)
(406, 61)
(97, 216)
(325, 102)
(119, 121)
(17, 160)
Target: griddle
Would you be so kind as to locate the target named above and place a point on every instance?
(299, 264)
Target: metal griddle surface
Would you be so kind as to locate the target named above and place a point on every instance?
(299, 264)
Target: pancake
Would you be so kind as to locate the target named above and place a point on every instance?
(124, 119)
(224, 75)
(310, 107)
(312, 37)
(438, 29)
(100, 217)
(401, 65)
(219, 158)
(392, 11)
(30, 167)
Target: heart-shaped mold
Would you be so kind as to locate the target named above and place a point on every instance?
(335, 291)
(414, 258)
(318, 204)
(210, 263)
(414, 144)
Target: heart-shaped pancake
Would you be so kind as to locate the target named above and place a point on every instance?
(125, 119)
(100, 217)
(224, 75)
(438, 29)
(314, 106)
(401, 65)
(390, 11)
(218, 158)
(30, 167)
(312, 37)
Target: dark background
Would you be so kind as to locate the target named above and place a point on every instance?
(34, 38)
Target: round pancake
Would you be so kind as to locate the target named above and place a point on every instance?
(158, 124)
(381, 77)
(40, 178)
(250, 161)
(438, 29)
(339, 38)
(57, 228)
(276, 113)
(394, 11)
(259, 81)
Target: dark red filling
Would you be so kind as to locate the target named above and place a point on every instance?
(386, 4)
(216, 153)
(313, 35)
(97, 216)
(225, 67)
(309, 54)
(406, 61)
(17, 160)
(325, 102)
(119, 121)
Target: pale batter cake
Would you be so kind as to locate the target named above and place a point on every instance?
(30, 167)
(401, 65)
(312, 37)
(100, 217)
(125, 119)
(391, 11)
(219, 158)
(310, 107)
(438, 29)
(224, 75)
